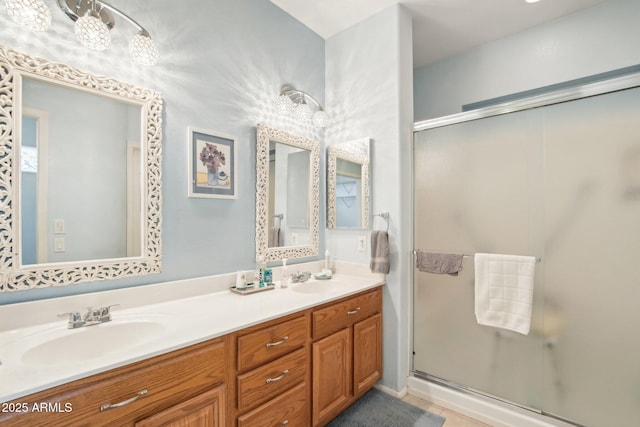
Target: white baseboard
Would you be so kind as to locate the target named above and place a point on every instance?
(399, 394)
(483, 409)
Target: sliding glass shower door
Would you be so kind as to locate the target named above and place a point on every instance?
(561, 183)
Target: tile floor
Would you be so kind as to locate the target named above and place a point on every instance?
(453, 419)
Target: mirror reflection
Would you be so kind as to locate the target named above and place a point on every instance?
(348, 185)
(287, 195)
(80, 175)
(289, 178)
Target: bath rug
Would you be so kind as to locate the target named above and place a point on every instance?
(378, 409)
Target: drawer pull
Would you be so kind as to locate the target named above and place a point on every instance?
(285, 422)
(278, 378)
(124, 402)
(273, 344)
(356, 311)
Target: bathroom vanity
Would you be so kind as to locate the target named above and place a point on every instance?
(296, 356)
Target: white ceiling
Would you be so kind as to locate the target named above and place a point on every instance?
(441, 28)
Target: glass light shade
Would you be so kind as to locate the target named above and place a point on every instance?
(319, 119)
(284, 104)
(92, 32)
(143, 50)
(30, 14)
(302, 112)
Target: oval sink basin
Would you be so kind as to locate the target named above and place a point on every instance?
(317, 287)
(61, 346)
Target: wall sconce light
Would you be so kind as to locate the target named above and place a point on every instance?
(30, 14)
(301, 105)
(93, 19)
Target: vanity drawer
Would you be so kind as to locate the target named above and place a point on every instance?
(263, 383)
(167, 379)
(288, 409)
(345, 313)
(270, 343)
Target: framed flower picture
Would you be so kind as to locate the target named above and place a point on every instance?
(212, 165)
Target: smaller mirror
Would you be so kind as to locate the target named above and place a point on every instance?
(348, 185)
(287, 195)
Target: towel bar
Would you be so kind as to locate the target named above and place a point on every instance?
(415, 252)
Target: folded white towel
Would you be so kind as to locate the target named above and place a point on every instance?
(504, 291)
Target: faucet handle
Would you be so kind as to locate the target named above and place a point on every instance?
(74, 316)
(75, 320)
(105, 312)
(107, 309)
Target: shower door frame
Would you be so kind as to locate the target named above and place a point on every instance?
(610, 85)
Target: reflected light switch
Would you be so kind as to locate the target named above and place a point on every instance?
(58, 244)
(58, 226)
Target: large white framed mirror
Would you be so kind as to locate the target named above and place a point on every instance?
(79, 173)
(348, 196)
(287, 195)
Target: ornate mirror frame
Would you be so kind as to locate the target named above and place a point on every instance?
(266, 134)
(340, 151)
(14, 276)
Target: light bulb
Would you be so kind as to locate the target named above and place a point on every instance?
(143, 50)
(319, 119)
(92, 32)
(302, 112)
(30, 14)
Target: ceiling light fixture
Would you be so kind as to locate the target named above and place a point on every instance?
(93, 21)
(30, 14)
(301, 105)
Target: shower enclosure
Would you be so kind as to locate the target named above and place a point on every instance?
(560, 181)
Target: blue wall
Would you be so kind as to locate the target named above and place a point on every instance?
(222, 64)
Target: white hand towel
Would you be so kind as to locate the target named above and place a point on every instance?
(504, 291)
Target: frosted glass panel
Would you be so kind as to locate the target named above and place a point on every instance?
(475, 186)
(563, 183)
(592, 186)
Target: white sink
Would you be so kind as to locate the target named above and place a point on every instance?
(317, 287)
(56, 346)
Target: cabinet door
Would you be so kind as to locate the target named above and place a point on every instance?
(332, 377)
(367, 354)
(206, 410)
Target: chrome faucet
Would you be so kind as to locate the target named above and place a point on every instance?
(93, 316)
(300, 277)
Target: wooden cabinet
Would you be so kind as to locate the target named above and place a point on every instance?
(288, 409)
(367, 354)
(332, 385)
(126, 395)
(273, 373)
(206, 410)
(347, 353)
(299, 370)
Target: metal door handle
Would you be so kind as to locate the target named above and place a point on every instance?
(273, 344)
(124, 402)
(357, 310)
(278, 378)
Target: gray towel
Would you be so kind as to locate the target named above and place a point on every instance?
(275, 237)
(380, 252)
(439, 263)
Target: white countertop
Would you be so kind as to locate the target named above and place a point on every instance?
(189, 317)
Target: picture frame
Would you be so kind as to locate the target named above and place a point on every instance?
(212, 165)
